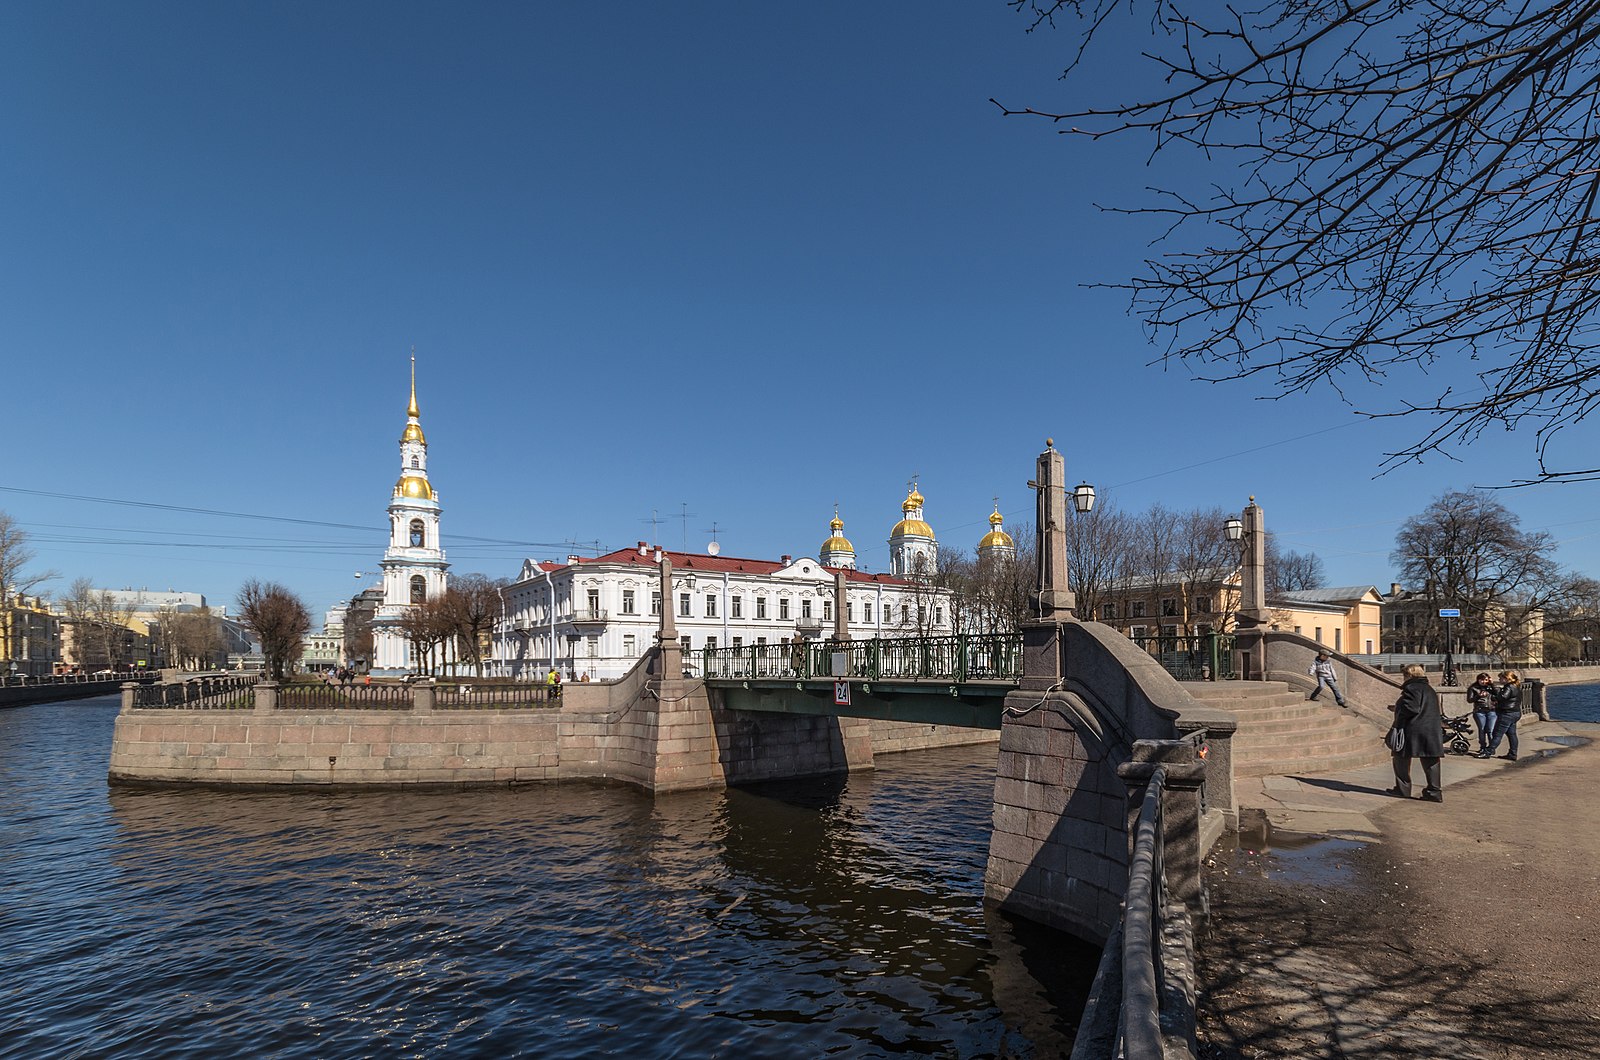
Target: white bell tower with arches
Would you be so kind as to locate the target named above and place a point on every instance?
(414, 567)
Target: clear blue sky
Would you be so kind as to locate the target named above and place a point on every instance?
(744, 260)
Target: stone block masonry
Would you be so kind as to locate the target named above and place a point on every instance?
(659, 735)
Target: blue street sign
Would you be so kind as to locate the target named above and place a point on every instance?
(1449, 612)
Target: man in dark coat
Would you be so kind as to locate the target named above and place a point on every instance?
(1416, 713)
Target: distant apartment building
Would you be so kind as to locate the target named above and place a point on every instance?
(90, 646)
(1508, 631)
(1345, 618)
(30, 637)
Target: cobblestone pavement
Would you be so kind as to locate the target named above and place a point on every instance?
(1347, 923)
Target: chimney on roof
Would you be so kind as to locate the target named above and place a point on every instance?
(644, 550)
(658, 553)
(785, 560)
(574, 559)
(1394, 588)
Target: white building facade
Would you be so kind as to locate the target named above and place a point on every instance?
(597, 617)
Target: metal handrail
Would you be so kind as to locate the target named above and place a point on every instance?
(1140, 1023)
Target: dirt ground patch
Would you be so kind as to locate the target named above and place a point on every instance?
(1470, 930)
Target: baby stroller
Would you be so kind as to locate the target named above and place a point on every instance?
(1457, 733)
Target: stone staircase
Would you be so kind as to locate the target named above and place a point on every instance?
(1281, 732)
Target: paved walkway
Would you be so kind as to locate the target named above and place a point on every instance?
(1348, 923)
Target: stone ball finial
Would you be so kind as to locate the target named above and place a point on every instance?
(1049, 443)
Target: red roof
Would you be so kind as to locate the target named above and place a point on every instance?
(711, 564)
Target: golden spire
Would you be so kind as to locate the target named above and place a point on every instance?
(413, 431)
(411, 409)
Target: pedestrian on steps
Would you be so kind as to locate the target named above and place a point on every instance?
(1322, 670)
(1416, 713)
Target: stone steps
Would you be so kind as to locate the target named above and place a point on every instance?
(1282, 732)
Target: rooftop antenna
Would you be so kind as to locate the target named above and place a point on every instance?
(654, 521)
(684, 515)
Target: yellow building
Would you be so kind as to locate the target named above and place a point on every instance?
(30, 637)
(1346, 618)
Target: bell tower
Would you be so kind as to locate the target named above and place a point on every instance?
(413, 565)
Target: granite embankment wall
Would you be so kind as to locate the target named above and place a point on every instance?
(659, 735)
(1059, 850)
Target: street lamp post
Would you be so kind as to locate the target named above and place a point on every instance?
(1053, 605)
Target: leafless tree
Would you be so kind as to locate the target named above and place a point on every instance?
(1289, 571)
(15, 577)
(279, 618)
(1179, 556)
(1099, 554)
(1377, 187)
(1466, 550)
(476, 603)
(101, 630)
(428, 626)
(193, 639)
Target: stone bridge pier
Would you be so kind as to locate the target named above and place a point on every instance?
(1059, 849)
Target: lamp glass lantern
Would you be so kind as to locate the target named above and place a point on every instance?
(1083, 498)
(1234, 529)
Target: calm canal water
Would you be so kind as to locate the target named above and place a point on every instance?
(1574, 702)
(801, 919)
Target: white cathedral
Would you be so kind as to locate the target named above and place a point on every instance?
(596, 617)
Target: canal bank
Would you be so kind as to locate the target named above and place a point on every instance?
(1347, 923)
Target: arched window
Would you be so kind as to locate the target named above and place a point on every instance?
(419, 589)
(415, 463)
(419, 534)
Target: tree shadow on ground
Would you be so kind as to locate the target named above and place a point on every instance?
(1294, 970)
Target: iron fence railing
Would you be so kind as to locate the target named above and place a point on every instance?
(321, 696)
(200, 693)
(967, 657)
(515, 696)
(47, 680)
(1197, 657)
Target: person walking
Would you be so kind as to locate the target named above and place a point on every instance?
(1322, 670)
(1480, 697)
(1507, 712)
(1416, 713)
(552, 683)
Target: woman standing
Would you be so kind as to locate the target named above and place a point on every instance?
(1416, 713)
(1507, 712)
(1480, 697)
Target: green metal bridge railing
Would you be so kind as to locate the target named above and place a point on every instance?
(1201, 657)
(968, 657)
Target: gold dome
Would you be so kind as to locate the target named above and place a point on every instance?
(414, 486)
(997, 539)
(413, 433)
(913, 501)
(836, 541)
(913, 528)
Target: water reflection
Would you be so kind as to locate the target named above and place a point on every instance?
(790, 919)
